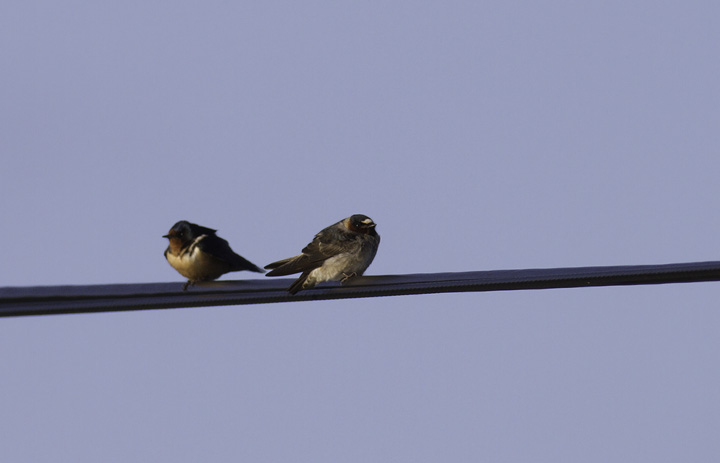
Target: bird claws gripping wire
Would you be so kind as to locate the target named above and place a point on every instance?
(347, 277)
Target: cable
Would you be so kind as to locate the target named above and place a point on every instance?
(46, 300)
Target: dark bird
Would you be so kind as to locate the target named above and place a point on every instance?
(338, 252)
(198, 254)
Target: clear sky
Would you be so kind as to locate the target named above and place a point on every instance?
(478, 135)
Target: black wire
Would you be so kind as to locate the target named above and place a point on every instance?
(46, 300)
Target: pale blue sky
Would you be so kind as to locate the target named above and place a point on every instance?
(478, 135)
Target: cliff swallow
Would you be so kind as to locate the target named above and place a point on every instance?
(338, 252)
(198, 254)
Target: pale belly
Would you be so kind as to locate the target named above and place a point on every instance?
(197, 266)
(338, 267)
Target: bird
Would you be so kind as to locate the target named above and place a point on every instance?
(198, 254)
(339, 252)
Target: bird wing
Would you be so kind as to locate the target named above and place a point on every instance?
(328, 243)
(220, 249)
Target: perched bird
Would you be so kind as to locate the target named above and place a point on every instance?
(198, 254)
(338, 252)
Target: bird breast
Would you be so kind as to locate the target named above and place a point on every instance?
(196, 265)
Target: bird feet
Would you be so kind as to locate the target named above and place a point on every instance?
(347, 277)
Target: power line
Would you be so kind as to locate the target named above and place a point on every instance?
(46, 300)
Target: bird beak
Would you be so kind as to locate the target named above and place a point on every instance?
(166, 236)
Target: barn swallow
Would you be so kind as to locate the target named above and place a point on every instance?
(338, 252)
(198, 254)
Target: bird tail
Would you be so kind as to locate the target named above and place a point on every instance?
(299, 283)
(240, 263)
(284, 267)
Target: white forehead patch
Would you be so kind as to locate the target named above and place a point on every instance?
(367, 221)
